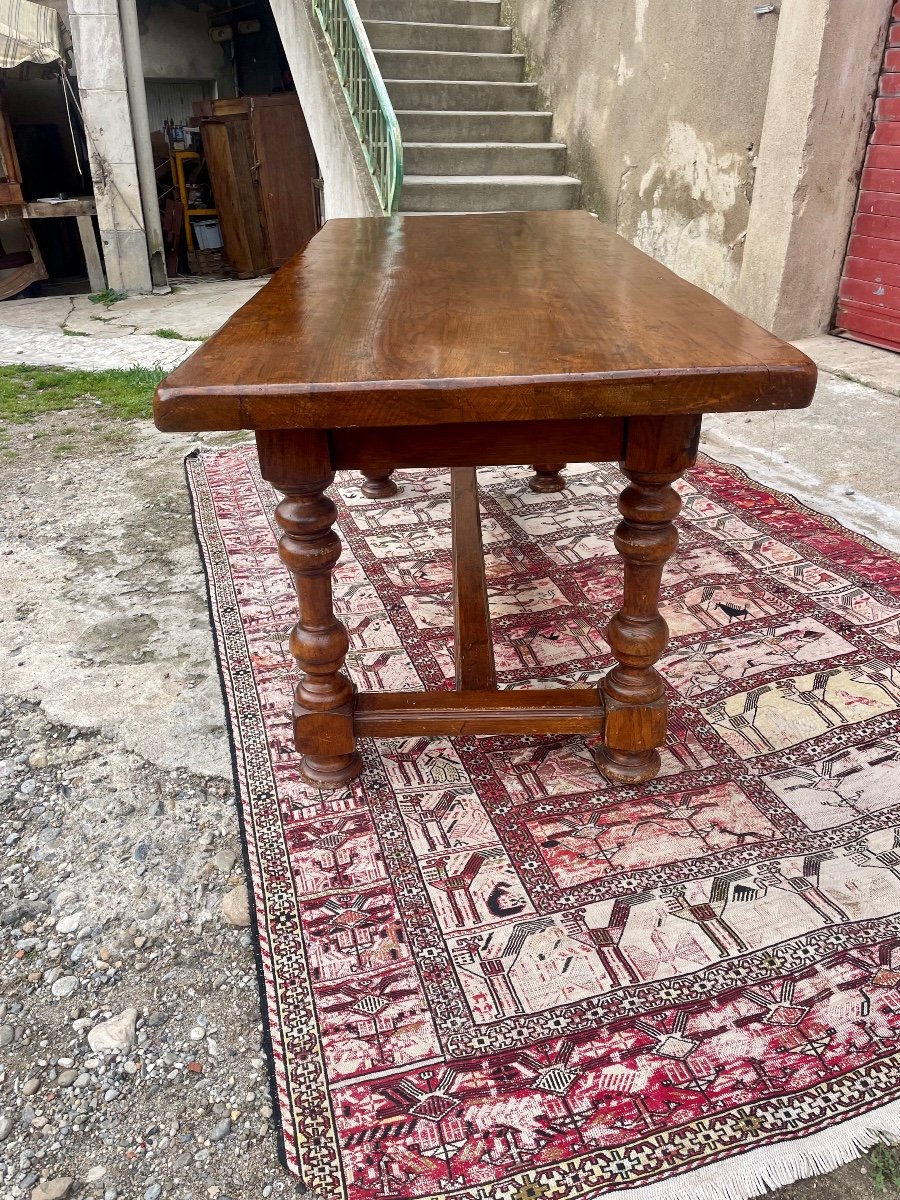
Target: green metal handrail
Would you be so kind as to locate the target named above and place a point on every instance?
(370, 106)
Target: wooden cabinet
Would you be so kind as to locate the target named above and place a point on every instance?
(263, 174)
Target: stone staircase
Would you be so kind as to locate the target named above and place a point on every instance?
(472, 139)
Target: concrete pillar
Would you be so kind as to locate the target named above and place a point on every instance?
(819, 108)
(100, 65)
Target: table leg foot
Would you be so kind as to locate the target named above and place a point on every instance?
(622, 767)
(330, 773)
(379, 487)
(547, 479)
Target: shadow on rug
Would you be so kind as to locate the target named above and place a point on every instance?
(489, 975)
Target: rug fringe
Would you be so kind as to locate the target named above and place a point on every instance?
(759, 1171)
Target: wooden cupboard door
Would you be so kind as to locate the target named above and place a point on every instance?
(228, 149)
(285, 162)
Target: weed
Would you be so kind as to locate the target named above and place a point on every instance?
(176, 336)
(74, 333)
(107, 297)
(884, 1166)
(25, 392)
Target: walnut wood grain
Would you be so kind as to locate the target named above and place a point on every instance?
(379, 486)
(538, 710)
(456, 342)
(296, 463)
(376, 451)
(547, 479)
(473, 648)
(481, 317)
(657, 451)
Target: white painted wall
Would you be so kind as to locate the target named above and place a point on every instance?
(349, 191)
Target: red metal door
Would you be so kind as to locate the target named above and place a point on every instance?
(869, 297)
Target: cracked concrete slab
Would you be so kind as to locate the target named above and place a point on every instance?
(52, 348)
(194, 307)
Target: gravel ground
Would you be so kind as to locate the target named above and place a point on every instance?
(122, 893)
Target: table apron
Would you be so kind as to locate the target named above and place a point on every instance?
(486, 444)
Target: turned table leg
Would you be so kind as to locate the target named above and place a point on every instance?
(547, 478)
(297, 464)
(379, 487)
(633, 692)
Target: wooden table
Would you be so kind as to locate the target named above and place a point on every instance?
(468, 341)
(83, 209)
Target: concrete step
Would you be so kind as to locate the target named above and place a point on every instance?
(449, 96)
(449, 12)
(438, 64)
(475, 126)
(488, 193)
(484, 158)
(468, 39)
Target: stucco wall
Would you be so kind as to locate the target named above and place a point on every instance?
(175, 44)
(661, 103)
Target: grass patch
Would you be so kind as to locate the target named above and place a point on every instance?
(26, 392)
(884, 1166)
(74, 333)
(107, 297)
(176, 336)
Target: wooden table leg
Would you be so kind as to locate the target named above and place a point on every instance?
(658, 450)
(297, 463)
(547, 479)
(379, 487)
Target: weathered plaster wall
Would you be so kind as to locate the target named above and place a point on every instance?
(175, 44)
(821, 94)
(661, 104)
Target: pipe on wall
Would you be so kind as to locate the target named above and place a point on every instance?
(143, 149)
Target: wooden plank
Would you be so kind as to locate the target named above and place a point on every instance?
(473, 645)
(227, 145)
(545, 710)
(491, 444)
(82, 207)
(284, 161)
(20, 278)
(96, 277)
(11, 193)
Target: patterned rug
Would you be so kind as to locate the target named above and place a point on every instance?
(488, 975)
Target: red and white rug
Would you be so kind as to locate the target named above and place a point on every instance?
(488, 975)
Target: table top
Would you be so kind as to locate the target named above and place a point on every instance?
(423, 320)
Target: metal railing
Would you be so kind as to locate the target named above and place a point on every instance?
(370, 106)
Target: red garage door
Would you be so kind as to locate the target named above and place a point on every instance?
(869, 298)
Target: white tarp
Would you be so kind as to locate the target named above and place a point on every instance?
(28, 33)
